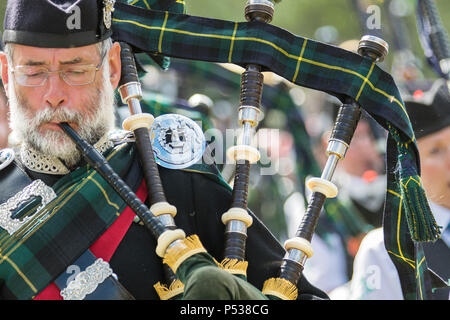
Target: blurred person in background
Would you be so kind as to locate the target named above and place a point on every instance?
(4, 129)
(375, 276)
(360, 177)
(361, 183)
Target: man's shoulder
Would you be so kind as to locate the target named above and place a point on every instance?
(12, 177)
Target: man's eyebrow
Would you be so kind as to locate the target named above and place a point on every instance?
(34, 63)
(74, 61)
(42, 63)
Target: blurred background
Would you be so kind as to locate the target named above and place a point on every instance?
(333, 21)
(327, 20)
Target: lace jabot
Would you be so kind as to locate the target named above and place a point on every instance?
(42, 163)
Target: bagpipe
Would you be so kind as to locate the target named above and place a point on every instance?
(434, 38)
(256, 45)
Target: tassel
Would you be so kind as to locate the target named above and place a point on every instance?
(234, 266)
(164, 293)
(280, 288)
(421, 223)
(178, 253)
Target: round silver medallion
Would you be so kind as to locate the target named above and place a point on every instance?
(6, 157)
(178, 142)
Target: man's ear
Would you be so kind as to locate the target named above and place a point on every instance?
(115, 65)
(4, 66)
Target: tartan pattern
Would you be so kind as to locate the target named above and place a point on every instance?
(423, 281)
(42, 249)
(178, 6)
(163, 5)
(307, 63)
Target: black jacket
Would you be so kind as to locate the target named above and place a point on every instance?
(200, 202)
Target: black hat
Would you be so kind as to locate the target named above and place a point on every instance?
(428, 106)
(57, 23)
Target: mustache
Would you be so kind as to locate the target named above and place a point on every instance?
(58, 115)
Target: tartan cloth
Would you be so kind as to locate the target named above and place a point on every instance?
(302, 61)
(314, 65)
(178, 6)
(423, 286)
(85, 207)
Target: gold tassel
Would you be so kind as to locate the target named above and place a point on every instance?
(164, 293)
(234, 266)
(178, 253)
(281, 288)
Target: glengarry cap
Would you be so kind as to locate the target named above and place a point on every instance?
(57, 23)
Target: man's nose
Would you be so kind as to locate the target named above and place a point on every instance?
(56, 95)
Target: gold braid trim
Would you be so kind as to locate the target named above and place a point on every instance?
(234, 266)
(182, 250)
(280, 288)
(164, 293)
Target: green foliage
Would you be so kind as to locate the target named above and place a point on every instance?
(304, 17)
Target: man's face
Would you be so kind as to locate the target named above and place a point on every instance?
(36, 111)
(435, 166)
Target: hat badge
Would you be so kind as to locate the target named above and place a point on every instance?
(108, 9)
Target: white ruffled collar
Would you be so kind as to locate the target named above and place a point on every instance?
(39, 162)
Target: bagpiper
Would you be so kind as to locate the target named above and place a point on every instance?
(65, 233)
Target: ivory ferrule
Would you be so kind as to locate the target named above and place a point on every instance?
(299, 244)
(135, 121)
(323, 186)
(168, 239)
(243, 153)
(237, 214)
(160, 208)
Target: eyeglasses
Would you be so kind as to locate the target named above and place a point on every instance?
(76, 75)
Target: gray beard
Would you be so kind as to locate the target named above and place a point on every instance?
(93, 125)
